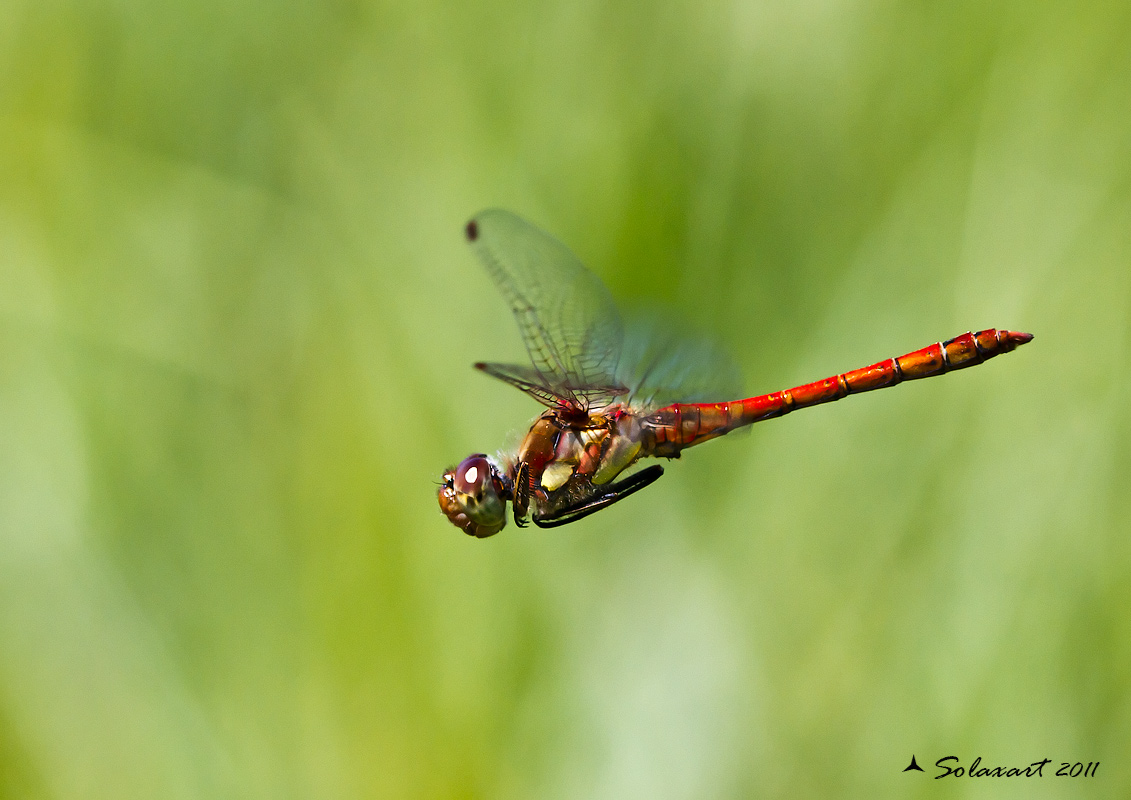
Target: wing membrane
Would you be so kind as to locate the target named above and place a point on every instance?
(662, 366)
(529, 380)
(567, 318)
(525, 379)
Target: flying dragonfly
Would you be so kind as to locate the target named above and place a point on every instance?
(599, 423)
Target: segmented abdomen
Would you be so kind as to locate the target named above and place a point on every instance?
(685, 424)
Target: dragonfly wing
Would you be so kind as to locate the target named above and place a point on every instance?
(567, 318)
(663, 366)
(525, 379)
(529, 380)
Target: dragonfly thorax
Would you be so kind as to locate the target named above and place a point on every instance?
(593, 450)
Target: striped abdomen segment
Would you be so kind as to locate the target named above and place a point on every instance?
(685, 424)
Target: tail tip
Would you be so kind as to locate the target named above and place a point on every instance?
(1017, 338)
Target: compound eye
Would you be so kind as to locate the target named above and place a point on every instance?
(473, 473)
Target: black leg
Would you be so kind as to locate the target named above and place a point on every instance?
(618, 491)
(521, 503)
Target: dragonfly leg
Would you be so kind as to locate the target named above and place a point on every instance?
(618, 491)
(521, 502)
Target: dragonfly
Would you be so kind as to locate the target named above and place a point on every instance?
(600, 420)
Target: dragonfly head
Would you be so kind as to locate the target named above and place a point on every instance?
(472, 497)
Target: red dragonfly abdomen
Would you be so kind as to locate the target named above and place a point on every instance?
(683, 425)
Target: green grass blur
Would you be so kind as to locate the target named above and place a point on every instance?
(236, 326)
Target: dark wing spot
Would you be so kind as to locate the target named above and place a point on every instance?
(472, 231)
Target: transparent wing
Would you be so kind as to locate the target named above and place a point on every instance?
(528, 379)
(661, 366)
(567, 318)
(523, 378)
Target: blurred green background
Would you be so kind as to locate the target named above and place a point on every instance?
(237, 319)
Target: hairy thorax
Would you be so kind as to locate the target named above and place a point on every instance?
(568, 456)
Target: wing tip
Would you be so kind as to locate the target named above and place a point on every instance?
(472, 230)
